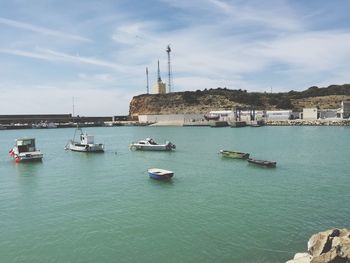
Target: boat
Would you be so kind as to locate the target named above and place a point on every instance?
(25, 150)
(211, 116)
(149, 144)
(44, 125)
(86, 143)
(234, 155)
(160, 174)
(262, 163)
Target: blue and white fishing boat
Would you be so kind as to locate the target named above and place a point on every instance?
(160, 174)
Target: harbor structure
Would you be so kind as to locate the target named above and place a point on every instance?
(178, 119)
(278, 115)
(160, 86)
(345, 110)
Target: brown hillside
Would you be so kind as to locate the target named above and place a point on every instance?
(225, 99)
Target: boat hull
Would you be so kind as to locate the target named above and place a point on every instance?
(234, 155)
(262, 163)
(28, 157)
(158, 147)
(86, 148)
(160, 174)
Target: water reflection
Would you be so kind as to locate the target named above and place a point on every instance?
(28, 169)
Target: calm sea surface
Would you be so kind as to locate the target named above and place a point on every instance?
(76, 207)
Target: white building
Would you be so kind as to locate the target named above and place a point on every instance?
(310, 114)
(173, 118)
(278, 115)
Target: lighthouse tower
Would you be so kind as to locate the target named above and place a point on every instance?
(159, 87)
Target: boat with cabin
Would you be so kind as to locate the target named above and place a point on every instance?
(234, 154)
(262, 163)
(211, 116)
(85, 144)
(160, 174)
(25, 150)
(149, 144)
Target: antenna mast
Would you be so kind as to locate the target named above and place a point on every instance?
(159, 78)
(168, 50)
(147, 80)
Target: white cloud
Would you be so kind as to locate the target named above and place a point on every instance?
(51, 55)
(41, 30)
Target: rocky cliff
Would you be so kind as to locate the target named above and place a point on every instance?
(331, 246)
(224, 99)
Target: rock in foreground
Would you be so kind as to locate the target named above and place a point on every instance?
(331, 246)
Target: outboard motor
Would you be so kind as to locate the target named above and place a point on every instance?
(170, 145)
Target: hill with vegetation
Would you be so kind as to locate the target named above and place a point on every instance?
(226, 99)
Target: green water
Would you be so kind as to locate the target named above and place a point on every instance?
(76, 207)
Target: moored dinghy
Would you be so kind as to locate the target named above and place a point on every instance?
(86, 143)
(262, 163)
(160, 174)
(25, 150)
(233, 154)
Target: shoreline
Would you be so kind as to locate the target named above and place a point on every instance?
(298, 122)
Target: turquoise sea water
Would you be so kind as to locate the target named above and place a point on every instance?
(76, 207)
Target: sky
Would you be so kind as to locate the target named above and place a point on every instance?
(97, 51)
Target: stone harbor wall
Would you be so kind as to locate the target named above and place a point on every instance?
(331, 246)
(339, 122)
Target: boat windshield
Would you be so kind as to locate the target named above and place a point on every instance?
(26, 145)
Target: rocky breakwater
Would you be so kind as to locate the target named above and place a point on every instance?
(298, 122)
(331, 246)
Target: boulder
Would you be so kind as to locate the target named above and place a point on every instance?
(319, 243)
(331, 246)
(300, 258)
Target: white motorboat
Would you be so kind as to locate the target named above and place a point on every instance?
(160, 174)
(25, 150)
(86, 143)
(150, 145)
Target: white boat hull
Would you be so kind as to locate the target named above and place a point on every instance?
(141, 147)
(28, 156)
(77, 147)
(160, 174)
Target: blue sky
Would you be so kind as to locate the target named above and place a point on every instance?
(97, 51)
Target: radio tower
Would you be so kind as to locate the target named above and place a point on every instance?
(168, 50)
(147, 80)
